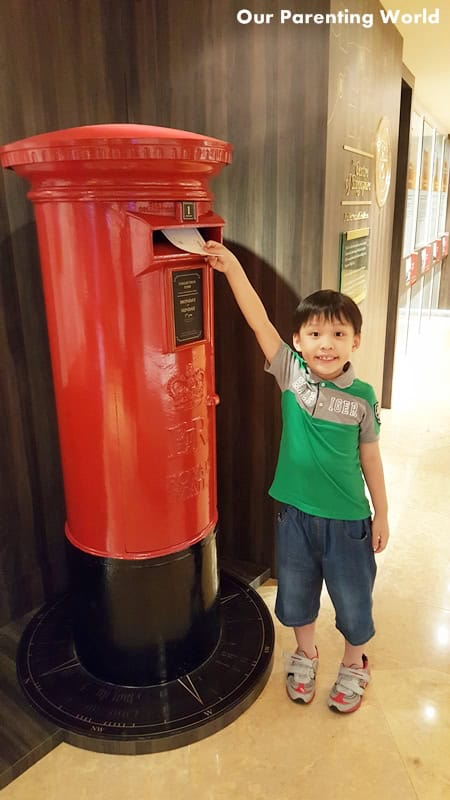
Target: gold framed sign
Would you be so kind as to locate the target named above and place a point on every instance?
(354, 263)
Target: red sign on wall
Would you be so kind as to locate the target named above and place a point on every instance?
(412, 271)
(425, 258)
(437, 250)
(444, 240)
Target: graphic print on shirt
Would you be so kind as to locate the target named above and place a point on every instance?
(340, 406)
(305, 391)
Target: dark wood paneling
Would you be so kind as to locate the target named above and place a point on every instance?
(62, 65)
(21, 580)
(397, 241)
(263, 88)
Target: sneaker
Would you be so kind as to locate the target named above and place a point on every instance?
(347, 693)
(301, 677)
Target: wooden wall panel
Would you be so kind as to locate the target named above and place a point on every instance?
(263, 88)
(62, 65)
(396, 273)
(20, 578)
(364, 86)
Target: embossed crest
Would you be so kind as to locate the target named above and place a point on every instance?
(187, 389)
(383, 161)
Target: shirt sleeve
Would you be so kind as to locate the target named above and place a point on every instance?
(369, 430)
(285, 366)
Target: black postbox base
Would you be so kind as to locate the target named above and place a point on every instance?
(145, 621)
(104, 717)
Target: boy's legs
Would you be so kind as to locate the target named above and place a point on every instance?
(349, 574)
(305, 546)
(298, 598)
(353, 656)
(301, 667)
(348, 689)
(299, 575)
(306, 643)
(306, 639)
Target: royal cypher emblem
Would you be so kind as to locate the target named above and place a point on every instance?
(188, 388)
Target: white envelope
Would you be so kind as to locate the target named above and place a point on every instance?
(188, 239)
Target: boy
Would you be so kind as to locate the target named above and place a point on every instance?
(329, 441)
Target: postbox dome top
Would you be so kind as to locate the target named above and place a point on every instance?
(116, 142)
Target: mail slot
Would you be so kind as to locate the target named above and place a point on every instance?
(131, 333)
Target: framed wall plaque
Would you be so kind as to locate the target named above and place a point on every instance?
(187, 297)
(354, 263)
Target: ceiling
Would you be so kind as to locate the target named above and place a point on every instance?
(426, 53)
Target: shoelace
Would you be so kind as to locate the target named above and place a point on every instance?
(348, 680)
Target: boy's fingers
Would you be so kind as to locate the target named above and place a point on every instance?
(211, 260)
(376, 541)
(379, 543)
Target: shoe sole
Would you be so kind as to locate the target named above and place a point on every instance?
(344, 710)
(300, 699)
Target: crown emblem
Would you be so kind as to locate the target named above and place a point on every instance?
(189, 388)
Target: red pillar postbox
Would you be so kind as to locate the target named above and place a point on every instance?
(130, 324)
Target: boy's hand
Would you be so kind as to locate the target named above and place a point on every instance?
(219, 257)
(380, 533)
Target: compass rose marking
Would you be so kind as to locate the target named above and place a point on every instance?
(70, 664)
(190, 688)
(228, 597)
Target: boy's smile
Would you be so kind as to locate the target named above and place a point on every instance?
(326, 345)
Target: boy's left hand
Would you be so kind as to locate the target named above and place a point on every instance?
(380, 533)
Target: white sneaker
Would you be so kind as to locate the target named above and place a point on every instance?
(301, 677)
(347, 693)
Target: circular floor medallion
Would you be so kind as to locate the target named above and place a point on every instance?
(122, 719)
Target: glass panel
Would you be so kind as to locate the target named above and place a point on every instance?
(424, 208)
(444, 188)
(436, 186)
(415, 146)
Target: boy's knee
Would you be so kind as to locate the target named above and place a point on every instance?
(356, 631)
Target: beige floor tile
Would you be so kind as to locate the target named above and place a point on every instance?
(271, 751)
(416, 704)
(413, 636)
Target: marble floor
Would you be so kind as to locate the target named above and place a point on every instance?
(397, 746)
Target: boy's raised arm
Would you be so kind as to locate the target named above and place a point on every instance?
(223, 260)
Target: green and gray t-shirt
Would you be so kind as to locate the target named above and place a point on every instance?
(319, 469)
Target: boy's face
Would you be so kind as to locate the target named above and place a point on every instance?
(326, 345)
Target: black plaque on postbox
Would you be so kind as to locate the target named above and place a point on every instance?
(188, 305)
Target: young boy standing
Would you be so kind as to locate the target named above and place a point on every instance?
(329, 441)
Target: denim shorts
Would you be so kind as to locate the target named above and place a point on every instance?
(311, 550)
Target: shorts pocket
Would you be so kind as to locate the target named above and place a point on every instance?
(282, 515)
(357, 529)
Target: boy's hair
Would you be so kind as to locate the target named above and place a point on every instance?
(328, 304)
